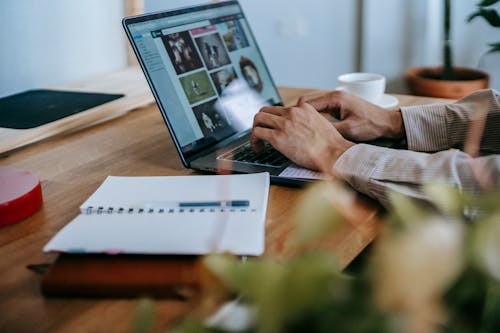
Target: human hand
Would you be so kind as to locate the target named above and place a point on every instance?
(360, 120)
(301, 134)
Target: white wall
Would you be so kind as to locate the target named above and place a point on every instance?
(403, 33)
(305, 42)
(397, 34)
(46, 42)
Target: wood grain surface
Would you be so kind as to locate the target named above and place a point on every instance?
(71, 166)
(129, 81)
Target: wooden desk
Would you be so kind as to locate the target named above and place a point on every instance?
(71, 167)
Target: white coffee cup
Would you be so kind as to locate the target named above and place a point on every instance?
(369, 86)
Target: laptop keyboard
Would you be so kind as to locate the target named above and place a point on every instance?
(268, 157)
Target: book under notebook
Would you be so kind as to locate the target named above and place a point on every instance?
(170, 215)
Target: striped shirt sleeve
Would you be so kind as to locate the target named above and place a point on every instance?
(431, 128)
(376, 170)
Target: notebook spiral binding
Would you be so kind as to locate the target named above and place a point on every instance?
(121, 210)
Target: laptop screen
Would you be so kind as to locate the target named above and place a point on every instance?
(206, 71)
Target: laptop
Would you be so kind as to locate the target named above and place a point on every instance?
(209, 79)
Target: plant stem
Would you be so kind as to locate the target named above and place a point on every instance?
(447, 52)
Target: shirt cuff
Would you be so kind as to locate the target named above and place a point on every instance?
(358, 164)
(425, 127)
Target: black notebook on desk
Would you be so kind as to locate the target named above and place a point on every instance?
(35, 108)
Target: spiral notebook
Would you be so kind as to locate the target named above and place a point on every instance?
(170, 215)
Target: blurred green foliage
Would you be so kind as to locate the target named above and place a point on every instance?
(309, 293)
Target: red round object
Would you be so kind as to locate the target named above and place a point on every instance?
(20, 195)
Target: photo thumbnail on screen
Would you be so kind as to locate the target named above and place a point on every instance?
(234, 36)
(251, 74)
(223, 78)
(211, 121)
(182, 52)
(213, 51)
(197, 86)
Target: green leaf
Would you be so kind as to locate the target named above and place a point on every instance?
(282, 292)
(318, 213)
(191, 326)
(495, 47)
(229, 269)
(487, 3)
(487, 204)
(406, 211)
(465, 302)
(486, 246)
(489, 15)
(491, 320)
(446, 197)
(302, 286)
(144, 316)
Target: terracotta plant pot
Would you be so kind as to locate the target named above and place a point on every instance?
(424, 81)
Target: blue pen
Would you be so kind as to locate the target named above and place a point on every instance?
(223, 203)
(196, 204)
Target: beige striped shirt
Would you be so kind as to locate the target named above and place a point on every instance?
(436, 135)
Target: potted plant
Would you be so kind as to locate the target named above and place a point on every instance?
(448, 81)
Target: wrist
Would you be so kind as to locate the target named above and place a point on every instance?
(334, 153)
(395, 127)
(346, 144)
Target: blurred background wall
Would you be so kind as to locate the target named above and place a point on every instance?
(46, 42)
(305, 42)
(398, 34)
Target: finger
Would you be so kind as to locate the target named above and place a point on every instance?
(264, 134)
(263, 119)
(329, 116)
(328, 102)
(308, 97)
(256, 143)
(343, 128)
(276, 110)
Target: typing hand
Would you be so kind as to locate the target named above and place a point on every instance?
(301, 134)
(359, 120)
